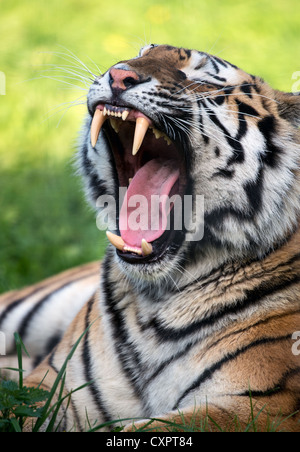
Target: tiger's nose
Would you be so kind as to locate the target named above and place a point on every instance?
(121, 79)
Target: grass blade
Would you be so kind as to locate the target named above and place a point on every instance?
(47, 408)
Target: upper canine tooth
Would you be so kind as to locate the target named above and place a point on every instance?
(141, 128)
(115, 240)
(97, 122)
(125, 114)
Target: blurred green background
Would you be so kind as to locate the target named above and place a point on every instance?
(45, 224)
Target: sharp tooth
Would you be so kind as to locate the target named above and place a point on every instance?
(129, 180)
(115, 124)
(141, 128)
(157, 133)
(115, 240)
(146, 247)
(167, 139)
(104, 111)
(97, 122)
(132, 250)
(125, 114)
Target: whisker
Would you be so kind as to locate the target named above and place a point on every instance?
(64, 110)
(66, 69)
(219, 90)
(71, 58)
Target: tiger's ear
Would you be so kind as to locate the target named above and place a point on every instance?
(289, 106)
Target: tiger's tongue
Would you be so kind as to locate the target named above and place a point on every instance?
(141, 216)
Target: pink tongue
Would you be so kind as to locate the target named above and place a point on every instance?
(153, 182)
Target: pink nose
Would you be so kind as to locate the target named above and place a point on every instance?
(122, 79)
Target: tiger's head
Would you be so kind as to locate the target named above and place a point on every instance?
(175, 126)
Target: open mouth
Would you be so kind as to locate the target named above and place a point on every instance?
(153, 170)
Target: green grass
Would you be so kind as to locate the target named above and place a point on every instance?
(22, 406)
(45, 225)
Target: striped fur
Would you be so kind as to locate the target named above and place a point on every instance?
(194, 330)
(28, 311)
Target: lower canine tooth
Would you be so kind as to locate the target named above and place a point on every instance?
(146, 247)
(96, 125)
(141, 128)
(115, 240)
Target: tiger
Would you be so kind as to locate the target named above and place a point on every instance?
(178, 324)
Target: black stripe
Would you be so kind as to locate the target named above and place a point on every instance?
(25, 323)
(267, 127)
(128, 356)
(202, 128)
(16, 303)
(238, 150)
(246, 109)
(51, 362)
(224, 172)
(188, 53)
(220, 61)
(54, 368)
(219, 100)
(50, 344)
(210, 85)
(35, 291)
(254, 325)
(254, 192)
(87, 366)
(208, 373)
(216, 67)
(246, 88)
(97, 186)
(220, 79)
(169, 361)
(251, 298)
(214, 276)
(276, 389)
(216, 217)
